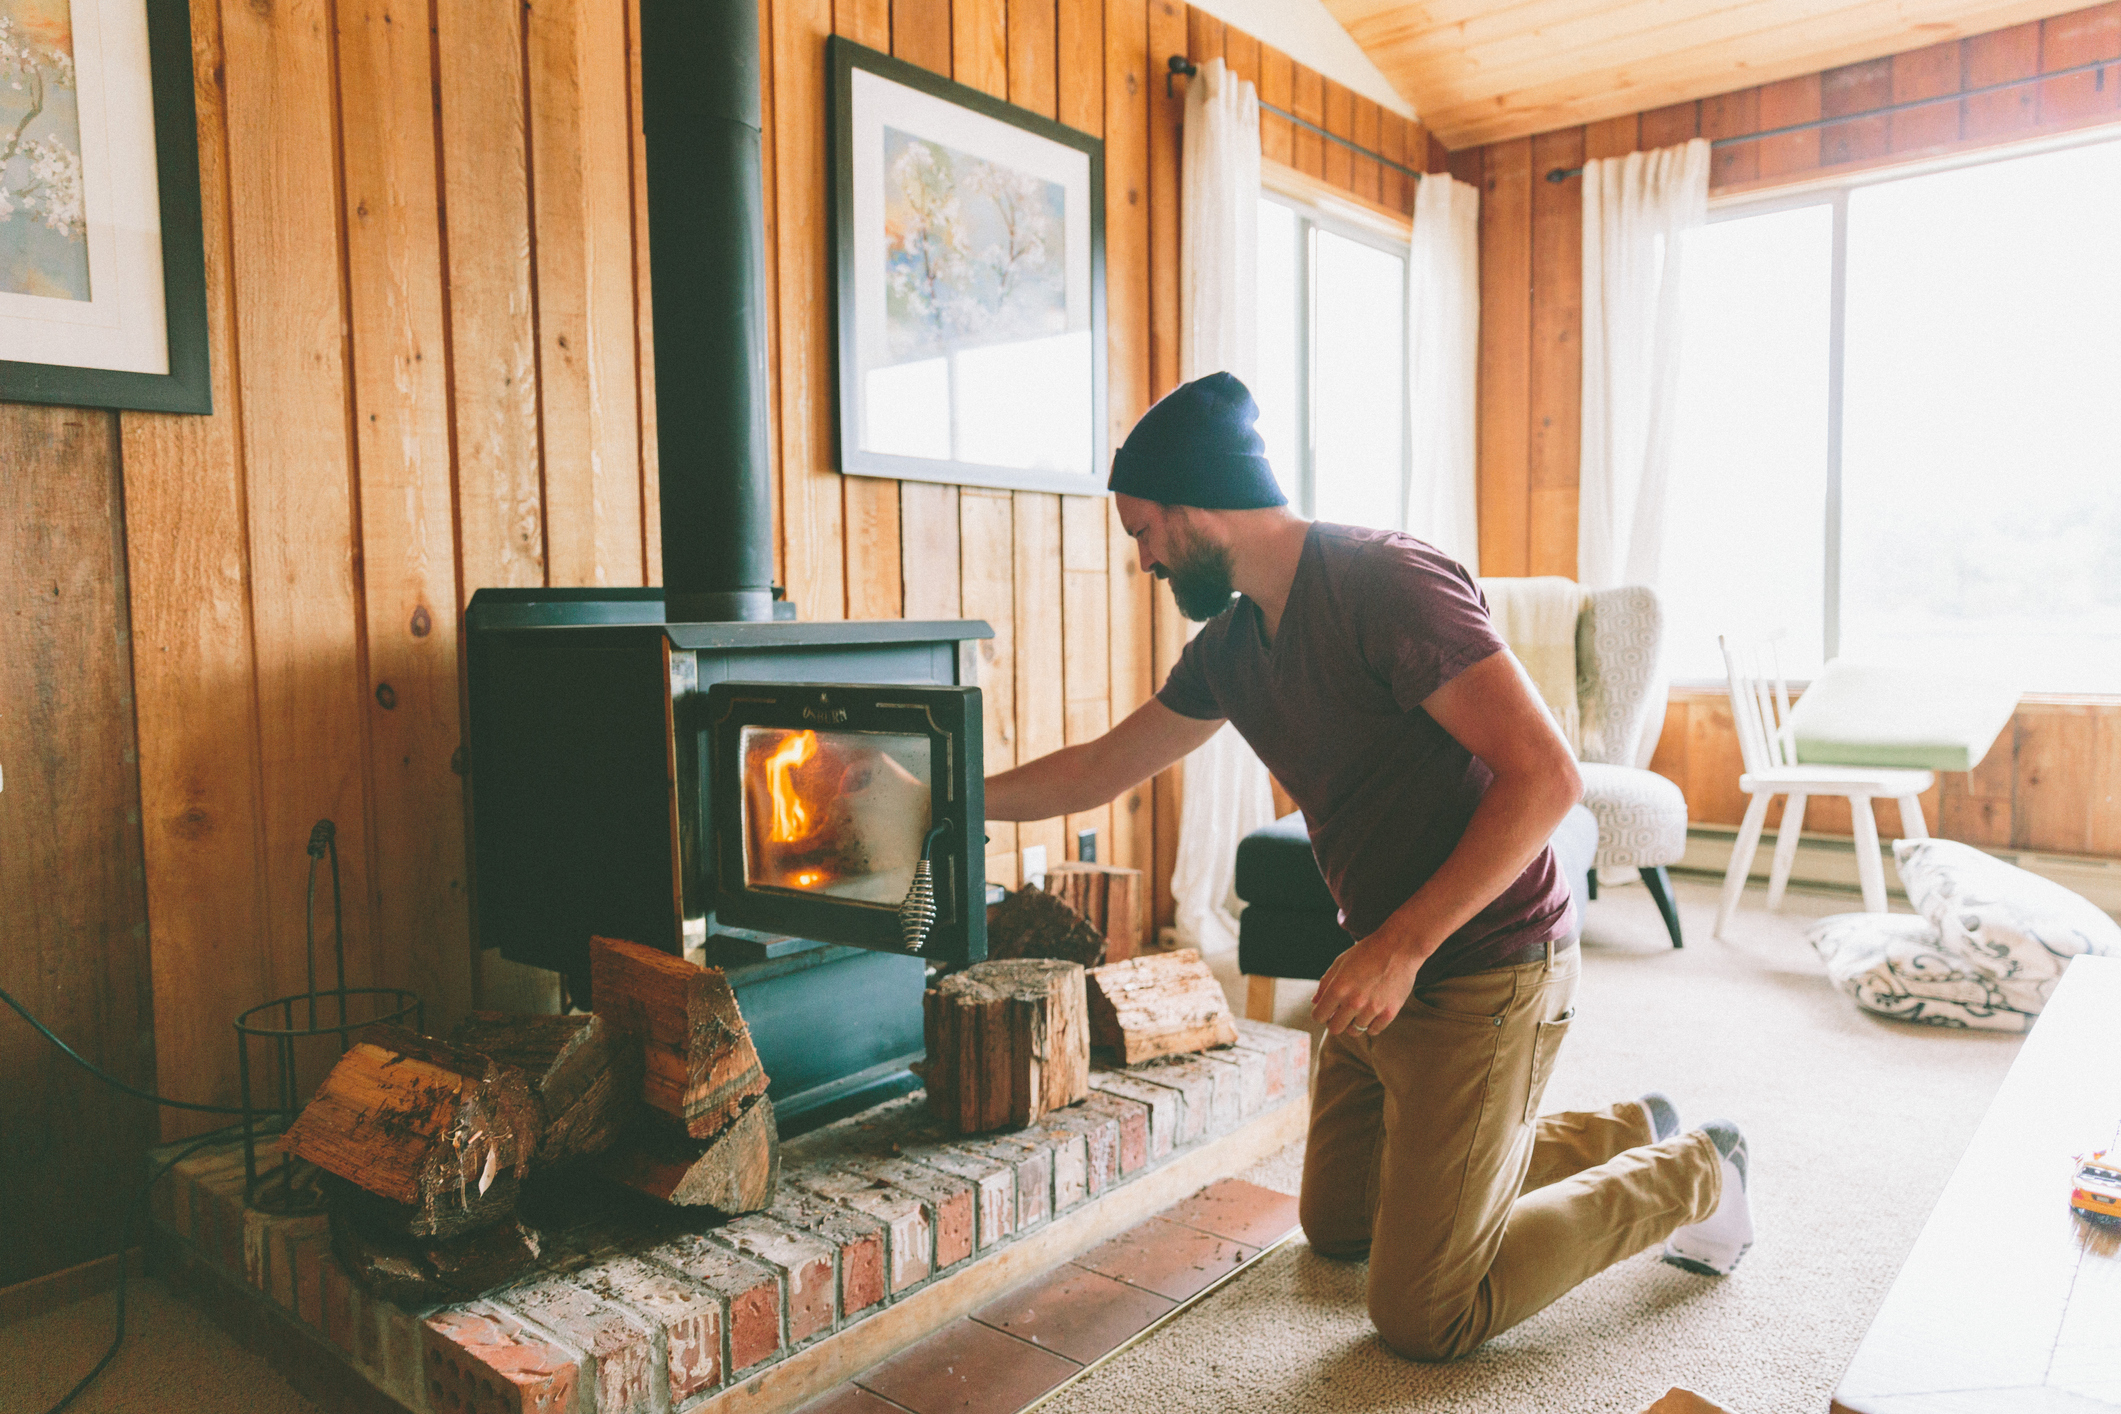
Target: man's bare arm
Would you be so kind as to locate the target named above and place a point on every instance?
(1493, 712)
(1086, 775)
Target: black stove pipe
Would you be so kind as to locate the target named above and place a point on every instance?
(707, 255)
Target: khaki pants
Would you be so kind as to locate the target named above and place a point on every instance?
(1428, 1153)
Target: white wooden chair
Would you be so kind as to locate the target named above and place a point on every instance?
(1760, 708)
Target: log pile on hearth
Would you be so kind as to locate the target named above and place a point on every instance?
(427, 1145)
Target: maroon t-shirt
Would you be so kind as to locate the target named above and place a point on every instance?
(1376, 622)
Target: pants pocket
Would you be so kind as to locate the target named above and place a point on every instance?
(1546, 1043)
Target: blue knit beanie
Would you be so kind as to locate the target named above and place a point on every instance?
(1196, 447)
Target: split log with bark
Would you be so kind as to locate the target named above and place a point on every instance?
(700, 1067)
(1008, 1041)
(1160, 1004)
(1032, 923)
(734, 1171)
(412, 1271)
(1110, 900)
(440, 1131)
(584, 1080)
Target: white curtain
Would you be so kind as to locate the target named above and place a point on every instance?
(1637, 210)
(1227, 794)
(1443, 333)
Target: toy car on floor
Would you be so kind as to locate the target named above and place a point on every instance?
(2097, 1195)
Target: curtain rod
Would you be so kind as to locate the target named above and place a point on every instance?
(1180, 64)
(1562, 174)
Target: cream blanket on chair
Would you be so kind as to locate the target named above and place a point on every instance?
(1537, 618)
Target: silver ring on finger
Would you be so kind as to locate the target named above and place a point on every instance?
(1361, 1028)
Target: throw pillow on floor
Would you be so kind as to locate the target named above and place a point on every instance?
(1991, 942)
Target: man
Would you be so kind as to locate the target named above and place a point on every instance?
(1362, 667)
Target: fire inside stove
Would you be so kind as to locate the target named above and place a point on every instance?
(839, 813)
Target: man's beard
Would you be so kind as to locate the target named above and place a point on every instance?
(1200, 578)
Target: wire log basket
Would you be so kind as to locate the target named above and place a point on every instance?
(288, 1186)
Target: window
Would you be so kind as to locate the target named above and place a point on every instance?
(1930, 471)
(1333, 365)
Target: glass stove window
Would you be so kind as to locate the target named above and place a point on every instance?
(842, 814)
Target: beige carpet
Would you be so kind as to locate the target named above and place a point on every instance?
(1855, 1124)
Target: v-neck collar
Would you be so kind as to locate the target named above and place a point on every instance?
(1271, 647)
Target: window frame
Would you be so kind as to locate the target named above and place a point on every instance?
(1316, 213)
(1834, 193)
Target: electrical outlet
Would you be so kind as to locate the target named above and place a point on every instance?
(1035, 867)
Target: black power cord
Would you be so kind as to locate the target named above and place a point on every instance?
(140, 1195)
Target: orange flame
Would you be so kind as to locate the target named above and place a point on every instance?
(791, 819)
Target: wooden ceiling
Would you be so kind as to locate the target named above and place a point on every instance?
(1479, 71)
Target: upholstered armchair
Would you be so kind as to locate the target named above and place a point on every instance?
(1620, 698)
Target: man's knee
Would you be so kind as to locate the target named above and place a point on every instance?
(1333, 1232)
(1411, 1334)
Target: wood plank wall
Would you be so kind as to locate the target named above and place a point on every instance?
(2054, 782)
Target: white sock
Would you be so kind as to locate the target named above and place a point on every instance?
(1714, 1245)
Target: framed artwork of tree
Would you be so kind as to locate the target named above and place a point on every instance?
(970, 271)
(102, 269)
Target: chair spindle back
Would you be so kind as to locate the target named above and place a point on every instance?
(1760, 702)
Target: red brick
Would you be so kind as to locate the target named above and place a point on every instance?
(1166, 1106)
(1030, 1156)
(857, 1238)
(750, 1292)
(689, 1316)
(1196, 1085)
(1246, 1073)
(1100, 1136)
(1133, 1119)
(993, 1183)
(1285, 1068)
(909, 1225)
(310, 1253)
(483, 1360)
(804, 1263)
(620, 1347)
(950, 1202)
(284, 1236)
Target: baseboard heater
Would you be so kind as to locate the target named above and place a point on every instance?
(1829, 861)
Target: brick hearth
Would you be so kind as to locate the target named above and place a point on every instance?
(884, 1229)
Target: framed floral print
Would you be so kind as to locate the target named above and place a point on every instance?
(970, 270)
(102, 268)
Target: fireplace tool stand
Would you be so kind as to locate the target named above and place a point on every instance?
(288, 1186)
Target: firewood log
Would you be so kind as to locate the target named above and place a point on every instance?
(416, 1272)
(1033, 923)
(734, 1171)
(1008, 1041)
(700, 1067)
(424, 1124)
(1161, 1004)
(586, 1087)
(1108, 897)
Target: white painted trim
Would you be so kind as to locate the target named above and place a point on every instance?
(1306, 31)
(1830, 861)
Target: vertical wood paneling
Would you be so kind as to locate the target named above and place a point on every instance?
(876, 587)
(979, 44)
(1668, 127)
(1167, 35)
(1340, 121)
(1505, 357)
(1555, 385)
(493, 341)
(1129, 74)
(866, 22)
(928, 513)
(1204, 35)
(1034, 53)
(1994, 58)
(1307, 100)
(1925, 73)
(407, 523)
(1395, 188)
(2069, 40)
(1855, 89)
(988, 554)
(1041, 693)
(195, 675)
(650, 450)
(73, 912)
(1241, 53)
(1276, 134)
(1783, 104)
(1732, 115)
(1081, 47)
(811, 510)
(288, 280)
(581, 204)
(1367, 178)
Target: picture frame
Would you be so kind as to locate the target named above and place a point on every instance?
(969, 283)
(102, 254)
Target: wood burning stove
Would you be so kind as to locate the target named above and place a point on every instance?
(828, 799)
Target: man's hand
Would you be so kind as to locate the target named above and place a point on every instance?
(1368, 984)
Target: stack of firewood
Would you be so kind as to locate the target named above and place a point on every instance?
(427, 1144)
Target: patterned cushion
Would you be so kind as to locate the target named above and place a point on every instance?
(2012, 924)
(1894, 965)
(1641, 816)
(1619, 683)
